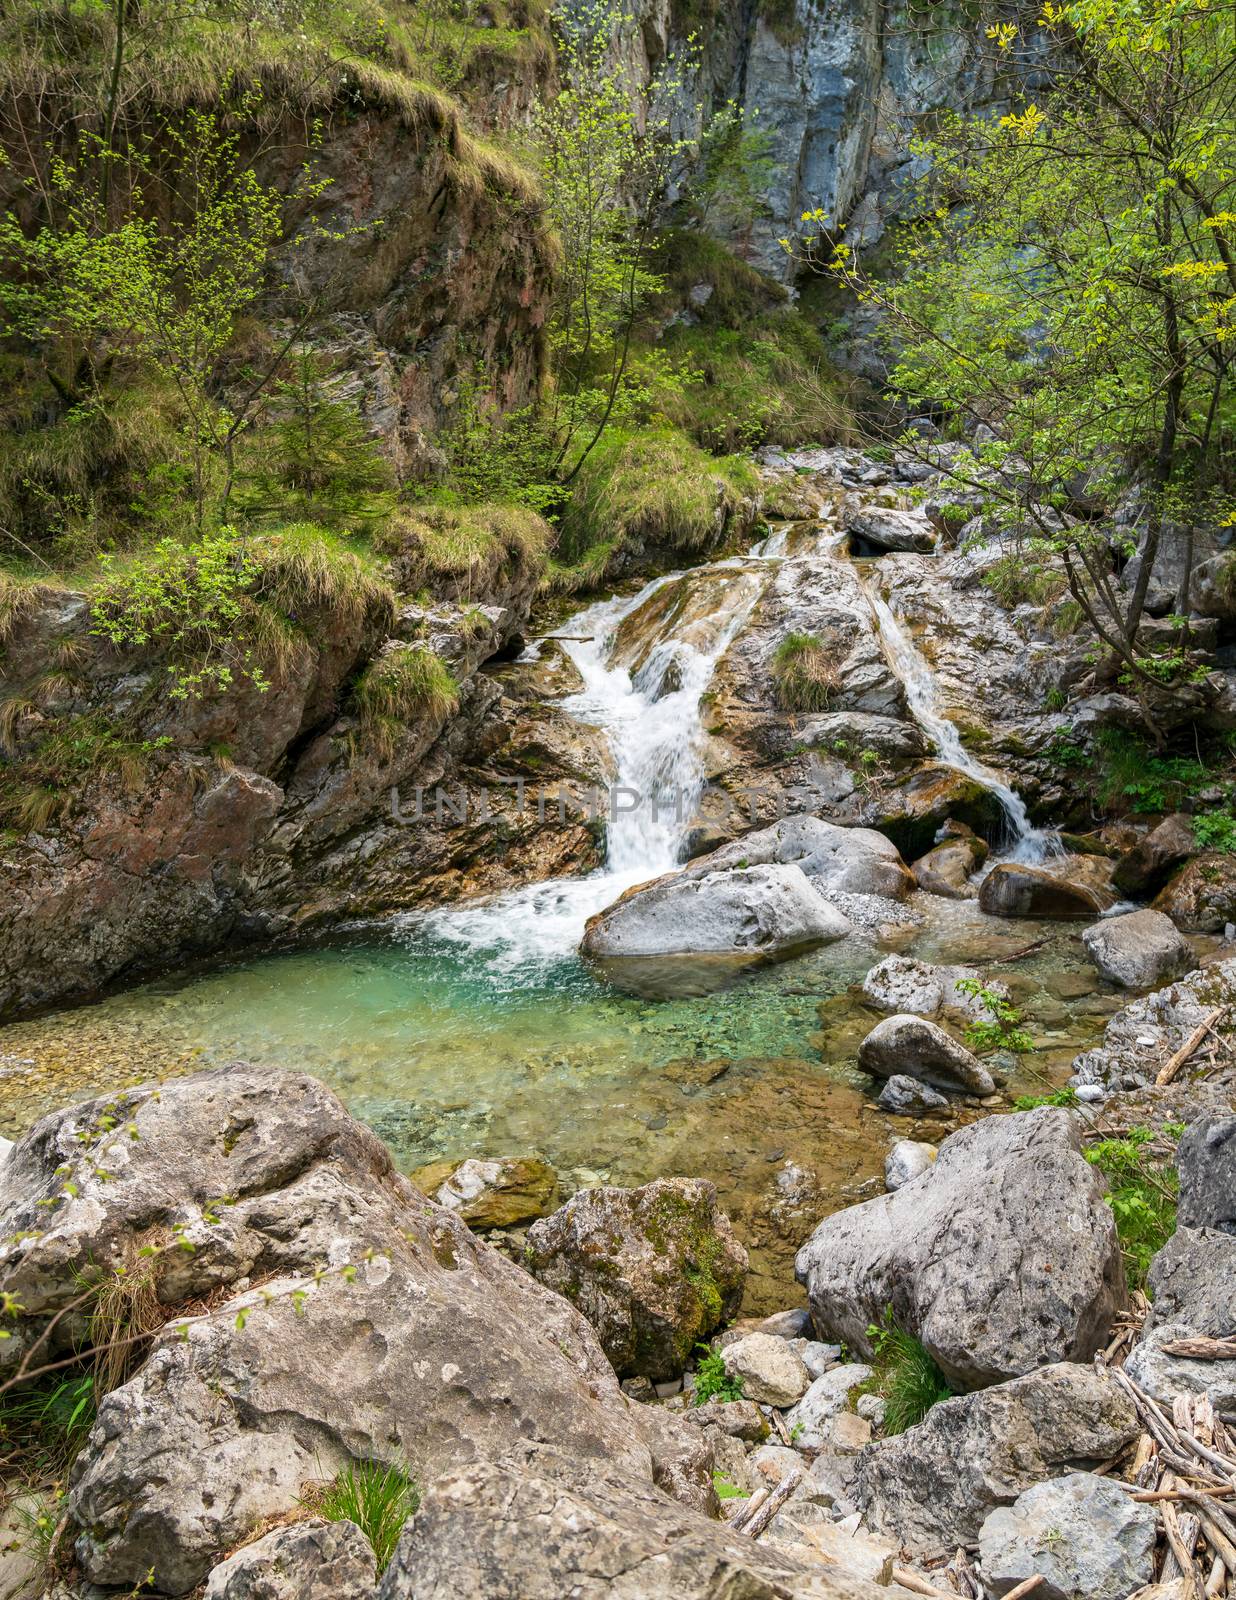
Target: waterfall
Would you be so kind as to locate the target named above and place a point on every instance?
(1026, 842)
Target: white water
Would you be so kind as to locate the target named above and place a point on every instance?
(1025, 842)
(656, 735)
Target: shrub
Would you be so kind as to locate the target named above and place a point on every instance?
(1016, 579)
(1067, 1096)
(805, 676)
(904, 1375)
(712, 1381)
(1000, 1029)
(406, 684)
(1142, 1193)
(378, 1499)
(1215, 830)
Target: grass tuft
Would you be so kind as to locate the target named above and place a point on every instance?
(406, 684)
(806, 678)
(903, 1375)
(302, 567)
(456, 552)
(378, 1499)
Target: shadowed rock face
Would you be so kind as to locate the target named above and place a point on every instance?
(1002, 1258)
(1011, 889)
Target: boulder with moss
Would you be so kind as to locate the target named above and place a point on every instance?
(493, 1192)
(653, 1269)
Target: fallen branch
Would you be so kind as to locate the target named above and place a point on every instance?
(1202, 1349)
(1024, 1587)
(754, 1525)
(1173, 1065)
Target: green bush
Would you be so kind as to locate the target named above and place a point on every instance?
(1215, 830)
(712, 1381)
(379, 1499)
(1142, 1192)
(1000, 1029)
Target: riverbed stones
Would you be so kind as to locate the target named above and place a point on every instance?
(845, 860)
(1206, 1161)
(907, 1097)
(1014, 889)
(1138, 950)
(1142, 1036)
(1001, 1258)
(771, 1372)
(915, 1047)
(907, 1160)
(311, 1560)
(905, 984)
(755, 909)
(491, 1192)
(435, 1349)
(827, 1397)
(1201, 898)
(1080, 1534)
(947, 868)
(654, 1269)
(933, 1486)
(1147, 866)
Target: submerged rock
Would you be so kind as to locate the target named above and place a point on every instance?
(654, 1269)
(1012, 889)
(907, 1097)
(1138, 950)
(491, 1193)
(1142, 1037)
(1201, 898)
(934, 1484)
(1001, 1258)
(1082, 1535)
(762, 909)
(915, 1047)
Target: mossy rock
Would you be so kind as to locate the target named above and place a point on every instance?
(494, 1193)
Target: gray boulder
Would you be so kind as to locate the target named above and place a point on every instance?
(305, 1561)
(1012, 889)
(914, 1047)
(905, 984)
(438, 1350)
(1193, 1281)
(1139, 949)
(885, 528)
(654, 1269)
(1081, 1534)
(1143, 1036)
(827, 1396)
(933, 1485)
(907, 1097)
(772, 1372)
(907, 1160)
(1164, 1375)
(844, 860)
(1206, 1160)
(1002, 1258)
(517, 1532)
(760, 909)
(1153, 859)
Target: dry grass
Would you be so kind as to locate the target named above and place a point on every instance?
(303, 568)
(805, 675)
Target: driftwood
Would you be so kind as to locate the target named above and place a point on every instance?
(1202, 1349)
(1169, 1070)
(756, 1521)
(1024, 1587)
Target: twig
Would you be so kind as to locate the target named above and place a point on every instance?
(755, 1524)
(1173, 1065)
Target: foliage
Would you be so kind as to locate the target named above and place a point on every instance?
(378, 1498)
(1215, 830)
(1071, 286)
(42, 784)
(712, 1381)
(1018, 579)
(904, 1375)
(733, 168)
(499, 457)
(1000, 1029)
(805, 675)
(303, 568)
(1142, 1192)
(44, 1424)
(407, 683)
(724, 1489)
(1129, 772)
(1066, 1096)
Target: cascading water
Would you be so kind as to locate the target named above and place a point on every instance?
(652, 720)
(1025, 842)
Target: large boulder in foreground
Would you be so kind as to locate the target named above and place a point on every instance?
(933, 1485)
(495, 1532)
(654, 1270)
(1206, 1161)
(1080, 1534)
(1139, 949)
(915, 1047)
(1002, 1258)
(1201, 898)
(1144, 1035)
(437, 1351)
(756, 910)
(1013, 889)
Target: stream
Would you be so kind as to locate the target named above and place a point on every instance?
(476, 1029)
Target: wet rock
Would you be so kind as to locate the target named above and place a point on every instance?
(1009, 1201)
(1164, 1376)
(1080, 1534)
(1201, 898)
(846, 860)
(1153, 859)
(883, 528)
(436, 1350)
(904, 984)
(1192, 1280)
(653, 1269)
(912, 810)
(518, 1532)
(935, 1484)
(1206, 1160)
(827, 1396)
(762, 909)
(305, 1561)
(946, 868)
(907, 1160)
(907, 1097)
(1138, 950)
(770, 1371)
(915, 1047)
(1142, 1036)
(491, 1193)
(1012, 889)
